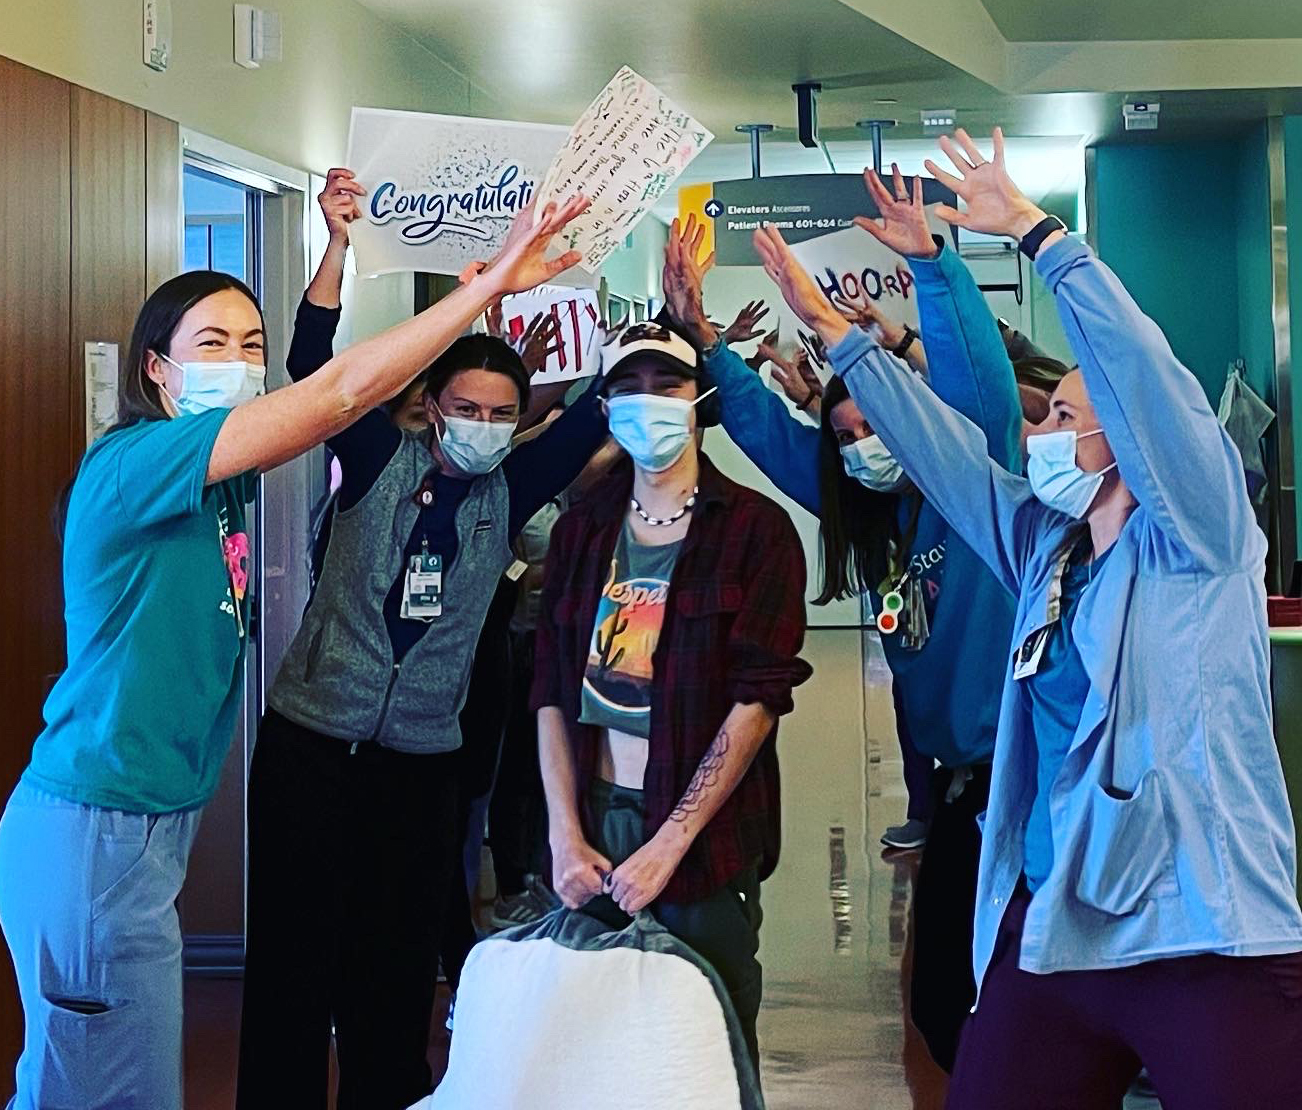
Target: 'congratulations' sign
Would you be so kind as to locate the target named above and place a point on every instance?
(441, 190)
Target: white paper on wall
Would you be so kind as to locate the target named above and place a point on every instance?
(101, 364)
(624, 153)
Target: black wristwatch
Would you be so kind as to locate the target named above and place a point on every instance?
(902, 348)
(1034, 239)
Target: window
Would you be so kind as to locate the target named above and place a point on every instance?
(221, 218)
(618, 309)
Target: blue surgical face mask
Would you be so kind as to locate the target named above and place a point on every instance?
(870, 463)
(475, 446)
(1056, 480)
(217, 385)
(654, 430)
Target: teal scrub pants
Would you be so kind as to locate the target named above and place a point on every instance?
(88, 907)
(723, 928)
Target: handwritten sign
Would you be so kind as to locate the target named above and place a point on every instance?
(577, 350)
(625, 152)
(441, 190)
(853, 266)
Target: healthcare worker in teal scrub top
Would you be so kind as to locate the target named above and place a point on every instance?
(94, 841)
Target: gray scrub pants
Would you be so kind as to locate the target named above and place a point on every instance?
(88, 906)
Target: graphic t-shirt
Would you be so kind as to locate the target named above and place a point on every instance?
(617, 681)
(155, 572)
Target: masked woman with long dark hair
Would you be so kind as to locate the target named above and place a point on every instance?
(939, 608)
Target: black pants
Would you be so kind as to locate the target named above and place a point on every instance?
(517, 819)
(944, 908)
(351, 853)
(482, 721)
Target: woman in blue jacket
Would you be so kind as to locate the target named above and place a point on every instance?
(1136, 904)
(880, 535)
(95, 839)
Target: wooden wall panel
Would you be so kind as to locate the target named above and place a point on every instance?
(108, 234)
(163, 215)
(34, 403)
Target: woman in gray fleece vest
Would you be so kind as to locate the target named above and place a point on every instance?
(353, 788)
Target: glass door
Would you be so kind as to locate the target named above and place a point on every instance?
(251, 227)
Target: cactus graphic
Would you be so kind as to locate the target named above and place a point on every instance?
(616, 626)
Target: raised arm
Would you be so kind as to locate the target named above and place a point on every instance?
(756, 418)
(942, 451)
(1171, 451)
(270, 430)
(539, 470)
(968, 366)
(312, 345)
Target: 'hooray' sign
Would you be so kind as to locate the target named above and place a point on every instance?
(441, 190)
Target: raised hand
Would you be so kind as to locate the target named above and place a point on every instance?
(903, 225)
(494, 322)
(683, 276)
(767, 351)
(994, 204)
(799, 290)
(338, 201)
(798, 380)
(746, 326)
(522, 262)
(538, 342)
(866, 315)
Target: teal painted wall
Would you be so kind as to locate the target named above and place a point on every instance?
(1167, 222)
(1256, 323)
(1293, 195)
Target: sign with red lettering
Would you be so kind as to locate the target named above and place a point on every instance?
(577, 350)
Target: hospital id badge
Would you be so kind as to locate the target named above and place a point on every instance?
(1026, 660)
(422, 595)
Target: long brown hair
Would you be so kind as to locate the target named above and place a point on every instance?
(857, 524)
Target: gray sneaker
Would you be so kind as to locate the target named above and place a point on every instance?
(912, 834)
(515, 909)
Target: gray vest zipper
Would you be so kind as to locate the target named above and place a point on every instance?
(388, 693)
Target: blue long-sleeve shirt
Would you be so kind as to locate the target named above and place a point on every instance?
(950, 687)
(1171, 827)
(535, 472)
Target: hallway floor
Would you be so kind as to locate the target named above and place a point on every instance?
(835, 936)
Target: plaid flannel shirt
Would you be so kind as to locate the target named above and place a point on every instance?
(733, 625)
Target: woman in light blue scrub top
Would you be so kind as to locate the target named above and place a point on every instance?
(95, 839)
(1136, 902)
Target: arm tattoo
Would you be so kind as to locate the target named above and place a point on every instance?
(707, 775)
